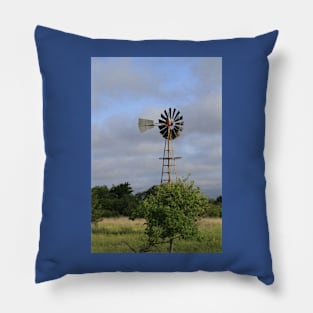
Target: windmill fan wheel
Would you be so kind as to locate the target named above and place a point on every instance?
(171, 124)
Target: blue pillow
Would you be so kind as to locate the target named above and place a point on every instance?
(103, 205)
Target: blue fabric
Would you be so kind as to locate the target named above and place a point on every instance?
(65, 228)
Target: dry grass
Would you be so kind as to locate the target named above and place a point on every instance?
(121, 221)
(125, 221)
(207, 221)
(118, 234)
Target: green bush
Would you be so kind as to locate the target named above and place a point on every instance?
(113, 202)
(212, 210)
(171, 212)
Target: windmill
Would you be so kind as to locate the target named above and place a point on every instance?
(170, 125)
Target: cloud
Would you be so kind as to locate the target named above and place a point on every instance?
(111, 76)
(125, 89)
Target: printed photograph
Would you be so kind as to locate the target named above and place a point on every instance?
(156, 155)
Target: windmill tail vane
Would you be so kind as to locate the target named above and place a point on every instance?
(170, 125)
(145, 124)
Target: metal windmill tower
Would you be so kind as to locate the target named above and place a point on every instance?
(170, 125)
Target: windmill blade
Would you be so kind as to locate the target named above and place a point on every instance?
(162, 116)
(179, 118)
(170, 110)
(144, 124)
(176, 115)
(166, 114)
(174, 133)
(161, 127)
(179, 124)
(162, 122)
(178, 130)
(164, 132)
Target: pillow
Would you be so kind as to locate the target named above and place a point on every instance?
(154, 155)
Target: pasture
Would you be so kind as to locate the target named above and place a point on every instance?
(121, 235)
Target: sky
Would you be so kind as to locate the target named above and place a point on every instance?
(124, 89)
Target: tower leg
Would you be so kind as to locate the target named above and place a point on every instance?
(169, 156)
(163, 160)
(168, 161)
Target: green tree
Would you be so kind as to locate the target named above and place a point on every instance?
(113, 202)
(171, 212)
(144, 194)
(123, 200)
(218, 200)
(99, 194)
(121, 190)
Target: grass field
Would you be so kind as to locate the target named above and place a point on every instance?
(123, 235)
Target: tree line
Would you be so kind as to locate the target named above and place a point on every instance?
(120, 200)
